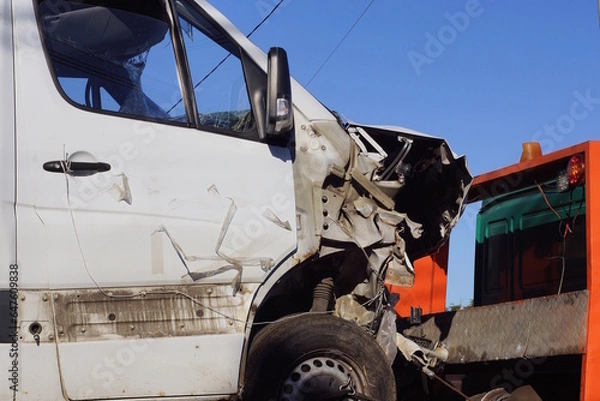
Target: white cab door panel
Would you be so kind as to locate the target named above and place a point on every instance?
(122, 192)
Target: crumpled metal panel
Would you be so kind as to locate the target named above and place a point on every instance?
(548, 326)
(431, 183)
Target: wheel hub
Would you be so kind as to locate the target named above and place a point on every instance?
(319, 378)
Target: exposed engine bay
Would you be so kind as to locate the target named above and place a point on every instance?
(397, 200)
(382, 197)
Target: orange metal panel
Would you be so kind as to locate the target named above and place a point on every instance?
(512, 177)
(429, 290)
(590, 385)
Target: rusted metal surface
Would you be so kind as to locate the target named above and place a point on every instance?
(548, 326)
(84, 315)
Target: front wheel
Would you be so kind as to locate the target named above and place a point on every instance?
(317, 358)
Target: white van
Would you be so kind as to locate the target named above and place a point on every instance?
(174, 226)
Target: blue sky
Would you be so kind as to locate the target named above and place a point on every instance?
(486, 75)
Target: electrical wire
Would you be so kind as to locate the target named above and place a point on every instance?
(451, 387)
(380, 296)
(568, 230)
(340, 43)
(574, 219)
(564, 265)
(564, 229)
(265, 18)
(562, 233)
(547, 202)
(248, 36)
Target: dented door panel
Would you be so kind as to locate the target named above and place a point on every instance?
(179, 209)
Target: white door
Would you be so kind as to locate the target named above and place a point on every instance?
(163, 206)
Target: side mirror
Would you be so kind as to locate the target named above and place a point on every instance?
(279, 112)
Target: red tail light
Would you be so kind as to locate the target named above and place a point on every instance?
(575, 170)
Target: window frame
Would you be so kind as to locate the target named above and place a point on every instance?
(184, 76)
(249, 135)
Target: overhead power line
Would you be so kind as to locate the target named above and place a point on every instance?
(267, 17)
(250, 34)
(342, 41)
(275, 7)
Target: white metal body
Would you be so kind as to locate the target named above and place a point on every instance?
(144, 281)
(170, 190)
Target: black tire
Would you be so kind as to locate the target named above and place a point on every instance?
(309, 357)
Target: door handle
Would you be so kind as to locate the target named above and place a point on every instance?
(76, 168)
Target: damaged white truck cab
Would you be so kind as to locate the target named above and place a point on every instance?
(175, 226)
